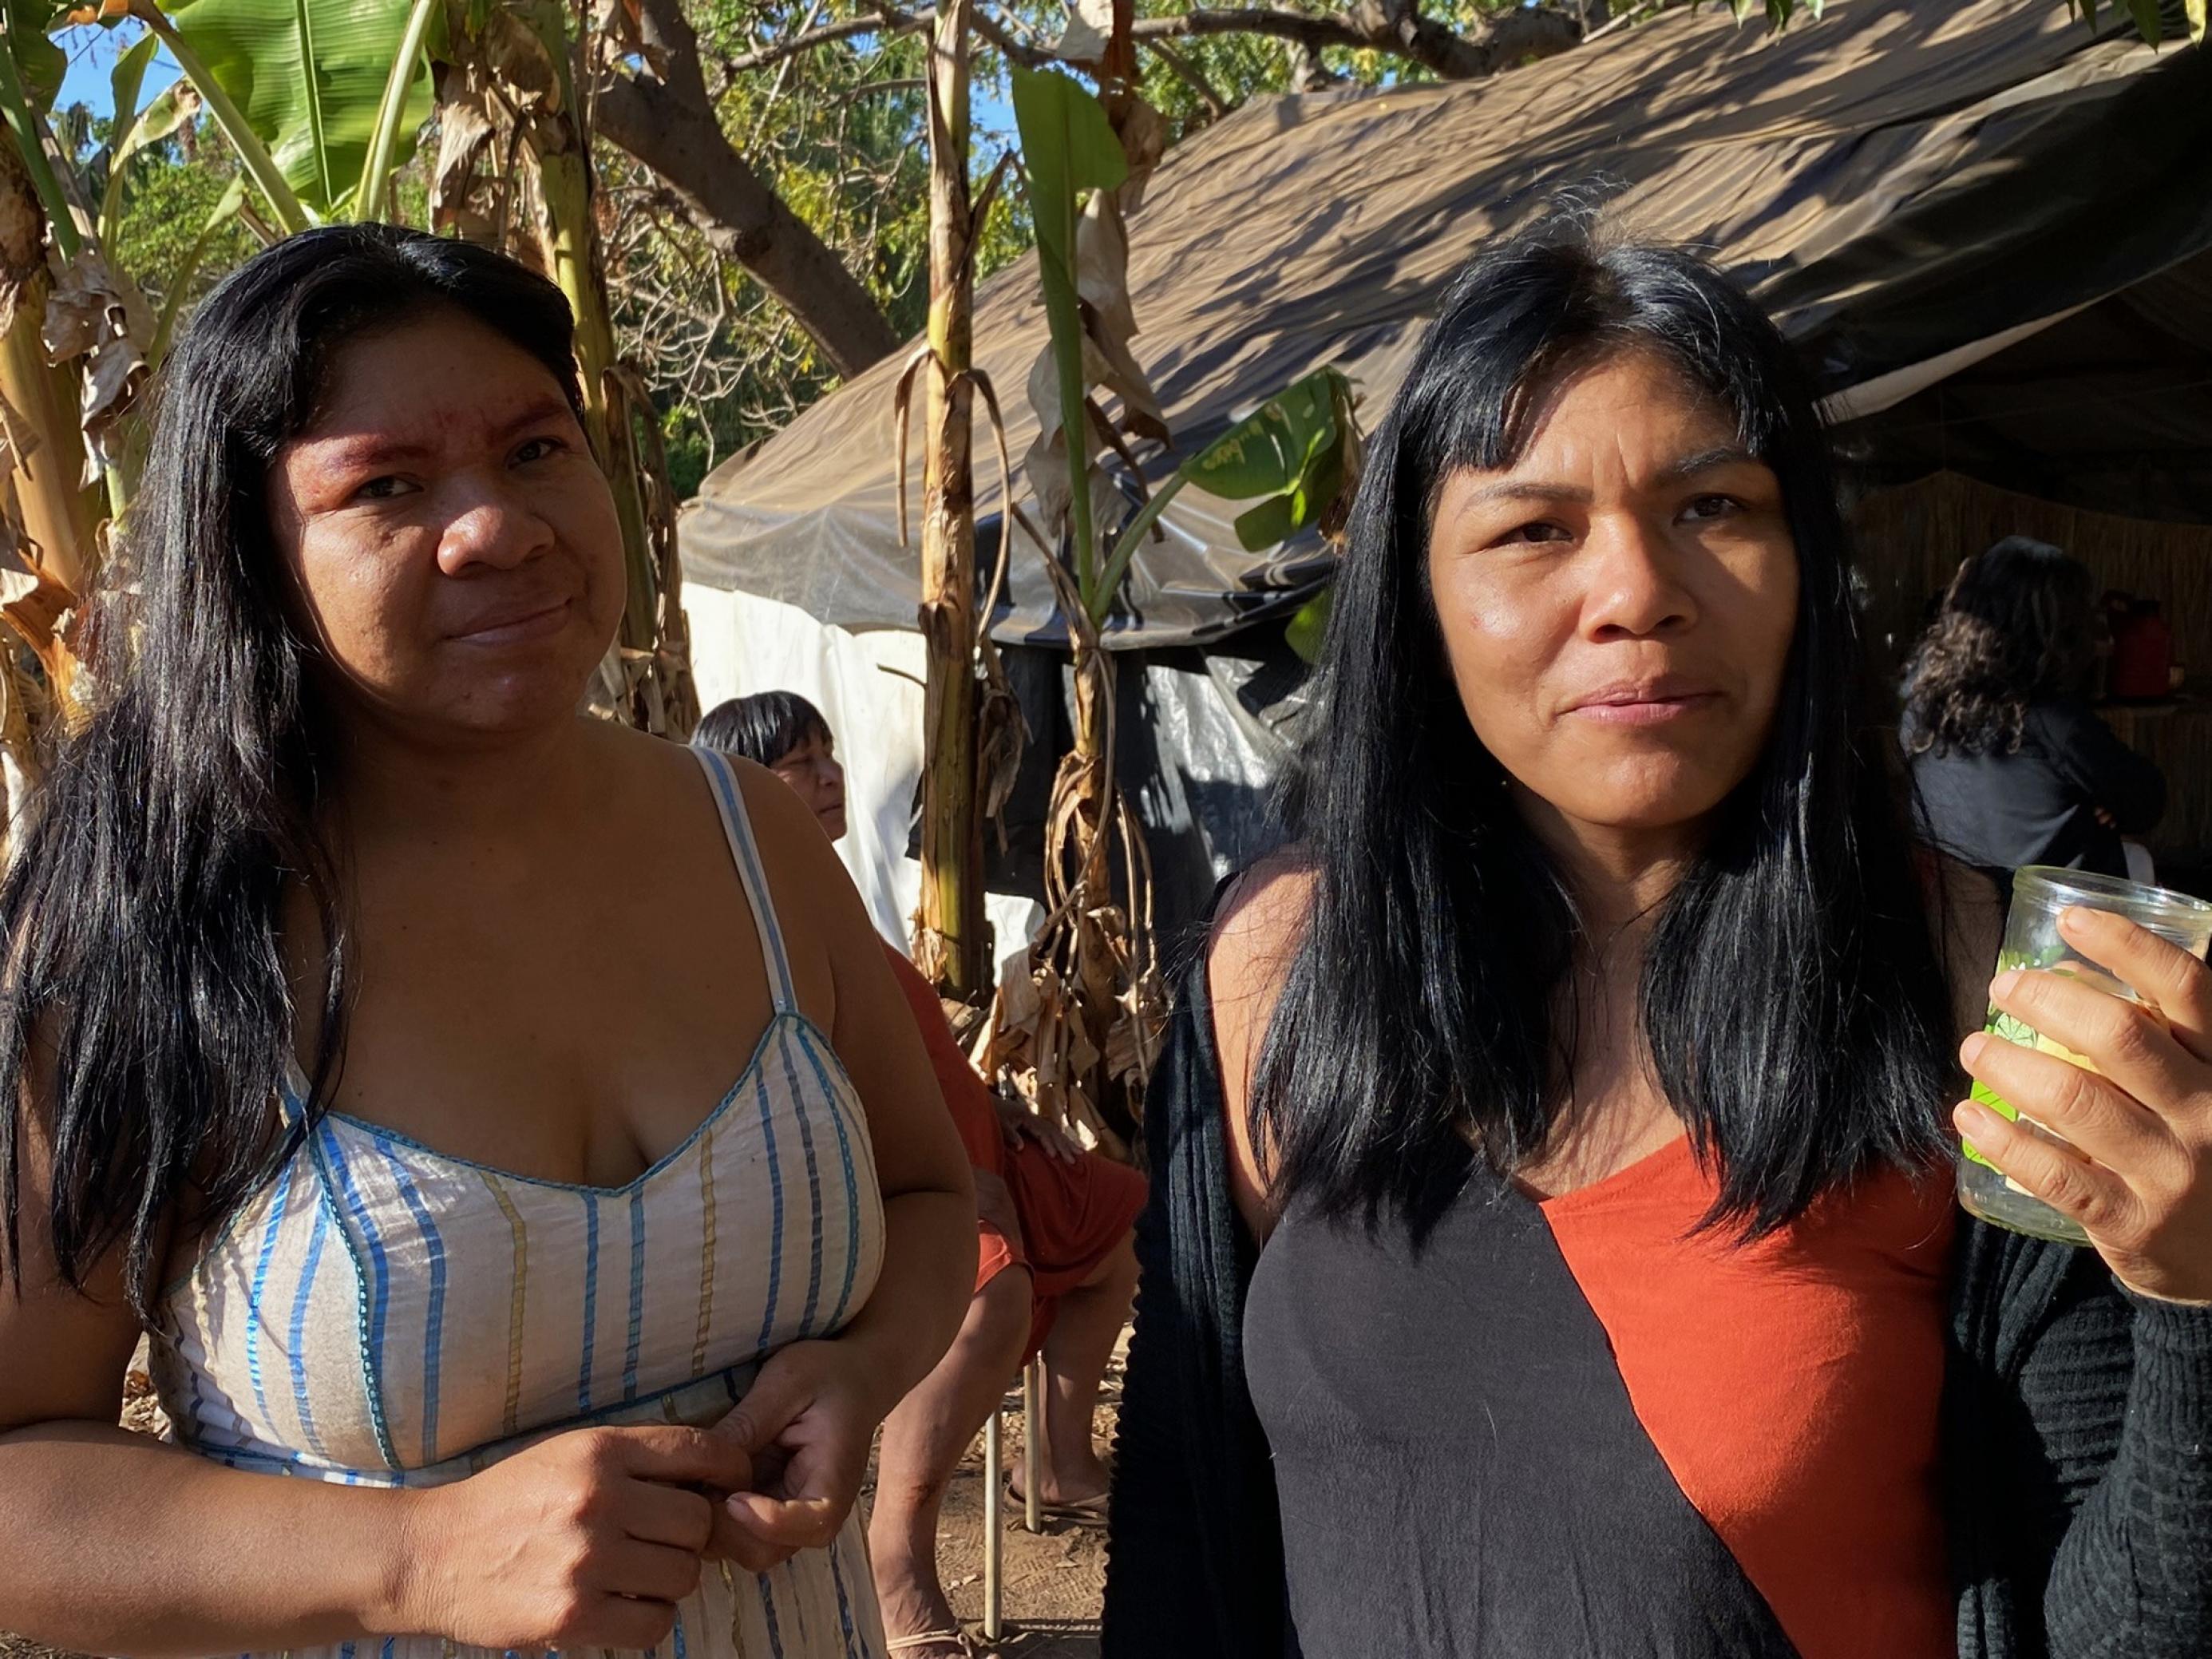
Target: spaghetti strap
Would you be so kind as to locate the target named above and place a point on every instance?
(744, 853)
(293, 1090)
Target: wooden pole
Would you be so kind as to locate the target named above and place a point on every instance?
(951, 948)
(994, 1530)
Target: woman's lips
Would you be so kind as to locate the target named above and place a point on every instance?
(1645, 705)
(517, 627)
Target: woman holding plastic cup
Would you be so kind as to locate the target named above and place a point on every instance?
(2117, 1062)
(1552, 1250)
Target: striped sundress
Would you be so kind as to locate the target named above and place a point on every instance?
(384, 1315)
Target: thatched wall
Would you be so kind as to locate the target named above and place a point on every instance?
(1910, 540)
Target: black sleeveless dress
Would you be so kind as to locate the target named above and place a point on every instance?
(1460, 1469)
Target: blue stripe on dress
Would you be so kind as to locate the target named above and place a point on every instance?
(776, 1197)
(767, 1607)
(636, 1293)
(433, 1324)
(799, 1112)
(678, 1635)
(844, 1602)
(253, 1307)
(591, 1299)
(379, 1295)
(297, 1344)
(852, 1182)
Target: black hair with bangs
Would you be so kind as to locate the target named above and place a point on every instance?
(763, 727)
(1792, 991)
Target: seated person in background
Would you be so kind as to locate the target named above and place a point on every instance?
(1058, 1265)
(2011, 765)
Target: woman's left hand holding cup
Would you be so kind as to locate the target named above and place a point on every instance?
(2136, 1173)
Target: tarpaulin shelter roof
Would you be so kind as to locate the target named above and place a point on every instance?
(1910, 186)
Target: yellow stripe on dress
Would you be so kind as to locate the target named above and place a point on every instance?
(517, 1300)
(706, 1249)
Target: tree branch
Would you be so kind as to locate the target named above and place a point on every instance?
(897, 22)
(668, 125)
(1019, 52)
(1400, 30)
(1186, 72)
(1394, 27)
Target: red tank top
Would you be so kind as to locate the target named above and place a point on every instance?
(1790, 1386)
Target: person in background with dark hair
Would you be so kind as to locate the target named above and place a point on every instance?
(1056, 1267)
(783, 732)
(370, 1027)
(2012, 766)
(1552, 1252)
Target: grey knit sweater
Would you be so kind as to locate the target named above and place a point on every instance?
(2077, 1425)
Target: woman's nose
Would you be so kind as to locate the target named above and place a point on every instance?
(1635, 590)
(488, 528)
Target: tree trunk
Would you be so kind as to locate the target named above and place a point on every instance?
(951, 934)
(669, 125)
(60, 516)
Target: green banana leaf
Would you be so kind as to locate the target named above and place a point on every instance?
(1295, 451)
(136, 129)
(1308, 626)
(39, 61)
(1068, 146)
(316, 126)
(1292, 451)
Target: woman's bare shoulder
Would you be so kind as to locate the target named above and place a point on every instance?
(1258, 926)
(1256, 932)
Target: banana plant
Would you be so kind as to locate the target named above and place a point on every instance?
(1299, 453)
(307, 92)
(1076, 1031)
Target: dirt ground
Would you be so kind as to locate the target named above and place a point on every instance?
(1052, 1581)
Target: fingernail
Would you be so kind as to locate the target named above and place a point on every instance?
(1974, 1119)
(2005, 984)
(2072, 919)
(1972, 1049)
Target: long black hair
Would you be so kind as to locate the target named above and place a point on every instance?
(2018, 624)
(140, 922)
(1792, 993)
(763, 727)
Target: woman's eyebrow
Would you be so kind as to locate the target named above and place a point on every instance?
(1706, 460)
(374, 448)
(1524, 489)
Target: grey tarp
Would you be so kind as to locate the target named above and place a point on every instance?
(1899, 180)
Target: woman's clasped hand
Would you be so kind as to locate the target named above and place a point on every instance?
(2134, 1168)
(594, 1536)
(588, 1537)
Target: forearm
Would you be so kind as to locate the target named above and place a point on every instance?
(2133, 1576)
(116, 1544)
(922, 1293)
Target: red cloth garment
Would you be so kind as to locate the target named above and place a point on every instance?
(1791, 1385)
(1072, 1215)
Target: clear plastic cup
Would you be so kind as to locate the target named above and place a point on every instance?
(2032, 940)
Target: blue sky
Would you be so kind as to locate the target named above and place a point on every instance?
(92, 54)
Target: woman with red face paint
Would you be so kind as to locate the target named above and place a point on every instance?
(371, 1026)
(1552, 1252)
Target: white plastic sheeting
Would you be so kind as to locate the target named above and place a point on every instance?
(869, 688)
